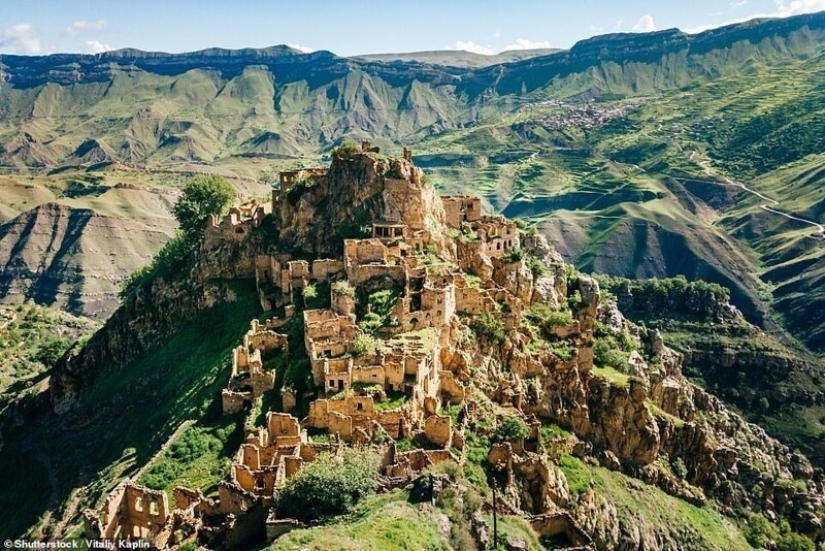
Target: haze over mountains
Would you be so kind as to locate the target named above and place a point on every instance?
(618, 148)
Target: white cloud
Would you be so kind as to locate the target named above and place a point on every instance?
(96, 47)
(796, 7)
(645, 25)
(22, 39)
(784, 8)
(527, 44)
(472, 47)
(619, 25)
(486, 49)
(304, 49)
(80, 27)
(497, 34)
(738, 4)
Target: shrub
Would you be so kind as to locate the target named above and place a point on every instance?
(343, 287)
(328, 487)
(794, 542)
(759, 531)
(562, 350)
(537, 267)
(310, 291)
(365, 345)
(316, 295)
(679, 468)
(512, 428)
(575, 300)
(346, 150)
(50, 352)
(607, 353)
(489, 327)
(371, 322)
(513, 255)
(542, 313)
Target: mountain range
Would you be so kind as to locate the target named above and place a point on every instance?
(660, 155)
(653, 133)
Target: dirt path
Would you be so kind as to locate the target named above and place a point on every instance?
(725, 180)
(791, 217)
(728, 182)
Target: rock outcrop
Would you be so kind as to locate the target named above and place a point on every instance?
(482, 316)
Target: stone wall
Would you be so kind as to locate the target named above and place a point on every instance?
(129, 512)
(461, 208)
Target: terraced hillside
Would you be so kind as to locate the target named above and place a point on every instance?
(637, 155)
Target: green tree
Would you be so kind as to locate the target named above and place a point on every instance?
(329, 486)
(51, 351)
(512, 428)
(794, 542)
(202, 196)
(346, 150)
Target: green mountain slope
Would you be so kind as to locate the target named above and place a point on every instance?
(618, 148)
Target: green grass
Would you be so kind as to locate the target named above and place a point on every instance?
(127, 415)
(650, 509)
(200, 458)
(381, 523)
(659, 412)
(617, 378)
(515, 528)
(394, 400)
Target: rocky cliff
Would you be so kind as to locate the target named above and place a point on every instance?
(74, 256)
(554, 352)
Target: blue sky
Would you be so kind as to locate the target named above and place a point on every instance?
(350, 27)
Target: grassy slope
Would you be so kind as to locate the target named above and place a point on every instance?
(381, 523)
(647, 507)
(388, 521)
(124, 419)
(35, 337)
(613, 197)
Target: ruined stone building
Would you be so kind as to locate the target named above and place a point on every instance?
(130, 512)
(251, 376)
(436, 257)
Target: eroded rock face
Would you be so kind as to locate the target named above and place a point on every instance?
(648, 417)
(550, 287)
(636, 419)
(76, 258)
(516, 277)
(588, 289)
(315, 218)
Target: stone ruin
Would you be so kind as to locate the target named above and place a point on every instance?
(251, 375)
(561, 531)
(396, 390)
(131, 512)
(242, 216)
